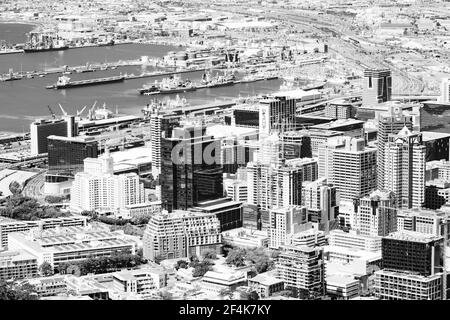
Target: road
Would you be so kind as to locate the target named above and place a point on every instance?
(35, 187)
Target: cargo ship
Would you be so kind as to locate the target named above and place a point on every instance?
(64, 82)
(30, 49)
(169, 85)
(217, 81)
(43, 42)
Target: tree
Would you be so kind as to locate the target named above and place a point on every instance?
(165, 295)
(210, 254)
(252, 295)
(181, 264)
(14, 290)
(54, 199)
(15, 187)
(46, 269)
(236, 257)
(201, 268)
(260, 259)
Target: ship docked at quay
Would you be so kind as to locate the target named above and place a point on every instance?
(175, 85)
(65, 83)
(38, 42)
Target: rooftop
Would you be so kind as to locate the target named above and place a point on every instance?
(413, 236)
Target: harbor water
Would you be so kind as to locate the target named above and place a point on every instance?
(17, 109)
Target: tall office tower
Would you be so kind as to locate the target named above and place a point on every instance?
(445, 90)
(296, 144)
(97, 188)
(276, 114)
(41, 129)
(65, 159)
(404, 168)
(390, 122)
(321, 200)
(284, 223)
(190, 169)
(181, 234)
(413, 252)
(301, 269)
(349, 165)
(272, 186)
(66, 155)
(377, 214)
(412, 265)
(161, 126)
(377, 86)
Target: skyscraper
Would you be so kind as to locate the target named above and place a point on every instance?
(349, 165)
(377, 86)
(161, 125)
(390, 122)
(377, 214)
(97, 188)
(272, 186)
(321, 200)
(190, 169)
(284, 223)
(277, 113)
(41, 129)
(404, 168)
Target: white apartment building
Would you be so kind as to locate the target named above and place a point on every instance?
(272, 186)
(309, 237)
(97, 188)
(180, 234)
(237, 190)
(349, 165)
(353, 239)
(301, 268)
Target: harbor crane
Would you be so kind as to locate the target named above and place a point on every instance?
(51, 112)
(62, 109)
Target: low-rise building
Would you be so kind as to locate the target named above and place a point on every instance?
(17, 265)
(141, 281)
(345, 287)
(10, 226)
(265, 284)
(216, 282)
(71, 244)
(139, 210)
(397, 285)
(353, 239)
(50, 286)
(246, 238)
